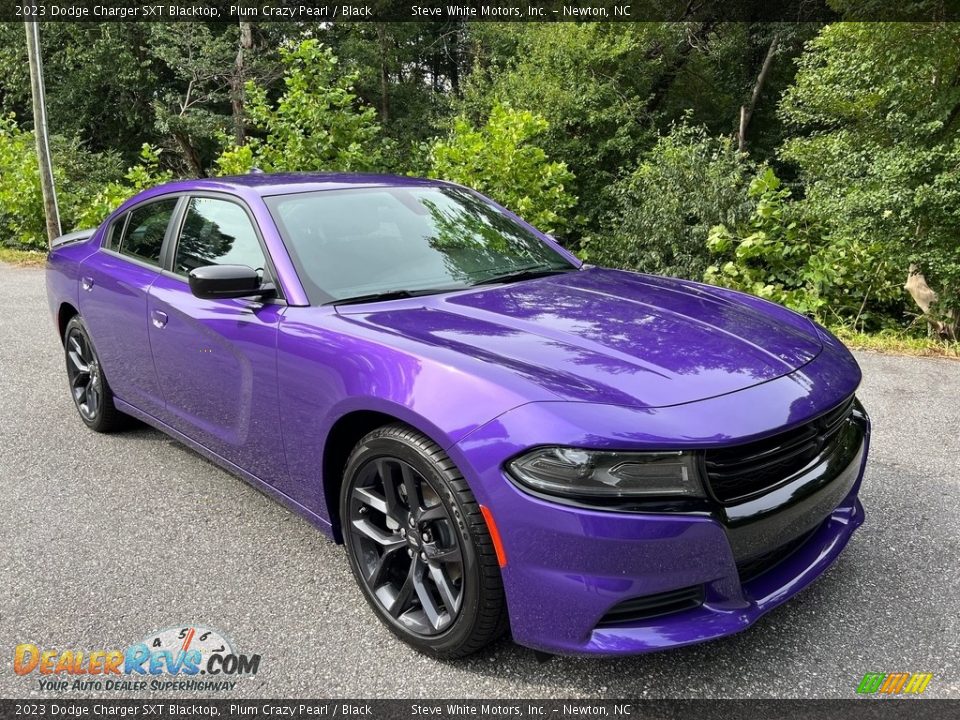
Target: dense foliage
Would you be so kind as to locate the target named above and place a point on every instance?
(316, 123)
(782, 254)
(89, 185)
(660, 214)
(818, 165)
(501, 160)
(876, 109)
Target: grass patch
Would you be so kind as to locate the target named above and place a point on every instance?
(22, 258)
(897, 343)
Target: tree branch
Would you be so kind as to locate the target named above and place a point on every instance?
(746, 111)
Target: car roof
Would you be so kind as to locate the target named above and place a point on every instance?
(285, 183)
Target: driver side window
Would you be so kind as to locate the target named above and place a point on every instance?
(217, 232)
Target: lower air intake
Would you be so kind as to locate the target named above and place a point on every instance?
(651, 606)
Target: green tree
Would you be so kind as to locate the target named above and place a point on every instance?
(876, 107)
(590, 82)
(610, 90)
(502, 160)
(316, 123)
(190, 106)
(661, 213)
(410, 72)
(100, 81)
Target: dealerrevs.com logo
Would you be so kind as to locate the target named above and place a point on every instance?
(197, 658)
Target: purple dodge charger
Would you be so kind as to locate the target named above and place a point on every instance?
(603, 462)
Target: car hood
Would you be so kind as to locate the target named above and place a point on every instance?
(610, 336)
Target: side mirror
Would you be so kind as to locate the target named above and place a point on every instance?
(213, 282)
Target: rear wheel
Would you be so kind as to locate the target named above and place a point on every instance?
(88, 387)
(418, 544)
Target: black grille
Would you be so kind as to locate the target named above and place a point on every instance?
(650, 606)
(740, 472)
(757, 566)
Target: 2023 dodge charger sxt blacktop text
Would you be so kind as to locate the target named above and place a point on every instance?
(604, 461)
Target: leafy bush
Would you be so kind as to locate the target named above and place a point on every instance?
(596, 84)
(78, 175)
(316, 124)
(110, 196)
(685, 184)
(501, 159)
(21, 204)
(781, 255)
(875, 111)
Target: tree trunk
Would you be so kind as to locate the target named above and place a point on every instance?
(190, 154)
(384, 76)
(237, 81)
(454, 66)
(746, 111)
(923, 295)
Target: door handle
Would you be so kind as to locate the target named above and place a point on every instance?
(86, 283)
(159, 318)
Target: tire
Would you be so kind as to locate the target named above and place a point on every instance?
(88, 385)
(418, 545)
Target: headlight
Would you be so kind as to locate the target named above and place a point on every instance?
(573, 472)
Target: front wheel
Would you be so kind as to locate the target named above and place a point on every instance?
(88, 386)
(418, 544)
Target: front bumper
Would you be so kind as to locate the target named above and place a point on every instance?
(588, 565)
(568, 567)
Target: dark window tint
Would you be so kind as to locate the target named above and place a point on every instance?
(143, 237)
(113, 233)
(217, 232)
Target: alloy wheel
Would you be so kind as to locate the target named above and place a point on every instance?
(406, 546)
(83, 372)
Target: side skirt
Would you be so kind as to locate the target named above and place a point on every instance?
(267, 489)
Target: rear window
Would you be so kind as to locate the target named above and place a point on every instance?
(114, 232)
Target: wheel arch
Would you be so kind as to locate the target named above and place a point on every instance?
(344, 434)
(65, 314)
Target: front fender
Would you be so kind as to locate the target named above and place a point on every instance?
(328, 367)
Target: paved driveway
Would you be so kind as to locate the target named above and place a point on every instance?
(104, 539)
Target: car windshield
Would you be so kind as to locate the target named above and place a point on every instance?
(397, 241)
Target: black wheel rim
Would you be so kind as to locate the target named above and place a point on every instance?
(406, 546)
(83, 371)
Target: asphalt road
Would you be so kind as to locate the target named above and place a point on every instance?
(104, 539)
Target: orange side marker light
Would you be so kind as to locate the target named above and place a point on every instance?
(494, 536)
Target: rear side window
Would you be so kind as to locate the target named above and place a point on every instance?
(217, 232)
(143, 235)
(115, 230)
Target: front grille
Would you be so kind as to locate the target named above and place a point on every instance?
(651, 606)
(743, 471)
(754, 567)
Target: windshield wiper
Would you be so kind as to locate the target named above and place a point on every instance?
(392, 295)
(524, 274)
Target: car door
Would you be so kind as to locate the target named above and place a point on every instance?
(114, 282)
(216, 359)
